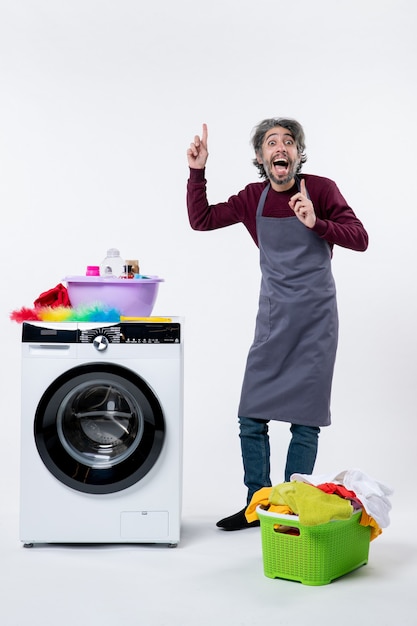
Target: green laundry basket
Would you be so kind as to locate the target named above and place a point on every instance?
(312, 555)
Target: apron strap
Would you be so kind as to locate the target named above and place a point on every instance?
(262, 199)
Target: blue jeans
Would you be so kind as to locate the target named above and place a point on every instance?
(254, 441)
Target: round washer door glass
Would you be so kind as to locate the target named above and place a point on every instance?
(99, 428)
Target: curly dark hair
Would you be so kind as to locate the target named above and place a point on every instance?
(262, 128)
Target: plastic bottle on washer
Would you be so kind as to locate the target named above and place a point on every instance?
(127, 272)
(112, 265)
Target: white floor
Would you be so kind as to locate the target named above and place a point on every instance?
(212, 577)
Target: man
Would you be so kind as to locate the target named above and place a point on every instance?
(295, 221)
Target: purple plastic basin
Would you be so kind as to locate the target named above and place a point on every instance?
(133, 297)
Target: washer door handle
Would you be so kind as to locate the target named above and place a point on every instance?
(100, 343)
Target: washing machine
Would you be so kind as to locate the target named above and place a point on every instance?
(101, 432)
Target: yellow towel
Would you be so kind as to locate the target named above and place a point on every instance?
(261, 498)
(312, 505)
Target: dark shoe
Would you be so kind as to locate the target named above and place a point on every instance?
(237, 521)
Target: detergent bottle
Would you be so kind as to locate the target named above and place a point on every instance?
(112, 265)
(127, 272)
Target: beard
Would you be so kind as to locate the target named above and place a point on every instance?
(282, 180)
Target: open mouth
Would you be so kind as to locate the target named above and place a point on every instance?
(281, 167)
(280, 163)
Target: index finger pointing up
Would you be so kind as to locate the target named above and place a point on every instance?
(204, 135)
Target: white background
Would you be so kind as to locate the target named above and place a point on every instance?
(99, 101)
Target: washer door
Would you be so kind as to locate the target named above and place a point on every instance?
(99, 428)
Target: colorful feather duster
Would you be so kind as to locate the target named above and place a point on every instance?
(88, 313)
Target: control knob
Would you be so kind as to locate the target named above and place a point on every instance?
(100, 343)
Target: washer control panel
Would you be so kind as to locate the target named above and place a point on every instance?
(128, 333)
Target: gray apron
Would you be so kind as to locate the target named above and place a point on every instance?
(290, 364)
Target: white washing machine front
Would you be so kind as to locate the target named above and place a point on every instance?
(101, 432)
